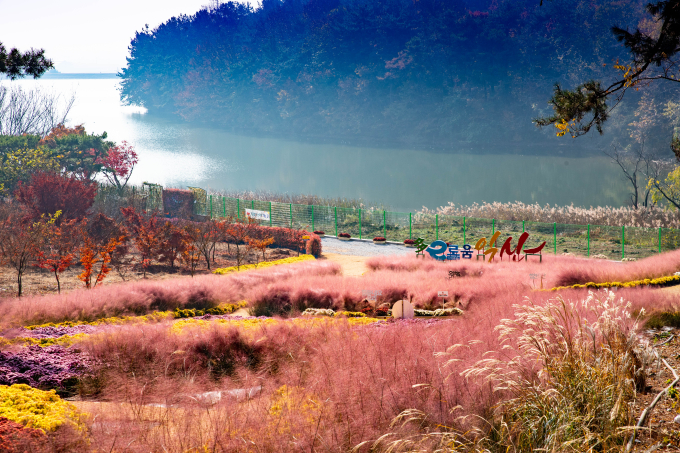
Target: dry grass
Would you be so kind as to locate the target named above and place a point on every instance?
(653, 217)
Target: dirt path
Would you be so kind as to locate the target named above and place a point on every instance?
(352, 266)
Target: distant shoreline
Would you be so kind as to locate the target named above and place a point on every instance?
(78, 75)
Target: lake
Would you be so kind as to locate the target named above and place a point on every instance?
(177, 154)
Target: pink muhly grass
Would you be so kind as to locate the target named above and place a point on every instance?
(140, 297)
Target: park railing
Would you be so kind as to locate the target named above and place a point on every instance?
(587, 240)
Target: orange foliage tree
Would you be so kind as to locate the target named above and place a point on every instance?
(91, 255)
(58, 247)
(260, 244)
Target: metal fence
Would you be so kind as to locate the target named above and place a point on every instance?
(585, 240)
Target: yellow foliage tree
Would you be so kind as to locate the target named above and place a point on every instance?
(18, 165)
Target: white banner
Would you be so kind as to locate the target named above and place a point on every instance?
(257, 215)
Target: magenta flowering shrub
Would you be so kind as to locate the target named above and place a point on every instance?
(52, 367)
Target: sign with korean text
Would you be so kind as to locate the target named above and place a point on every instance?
(442, 251)
(257, 215)
(442, 294)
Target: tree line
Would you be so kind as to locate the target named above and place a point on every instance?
(454, 74)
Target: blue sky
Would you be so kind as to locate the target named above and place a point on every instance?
(84, 35)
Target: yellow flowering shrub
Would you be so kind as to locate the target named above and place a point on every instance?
(646, 282)
(294, 403)
(64, 340)
(245, 267)
(254, 323)
(158, 316)
(38, 409)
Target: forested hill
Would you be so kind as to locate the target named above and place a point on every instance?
(453, 75)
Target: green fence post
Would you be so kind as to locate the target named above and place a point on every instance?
(359, 223)
(312, 218)
(623, 241)
(436, 226)
(224, 207)
(522, 226)
(270, 213)
(555, 236)
(211, 211)
(290, 205)
(464, 228)
(493, 227)
(588, 239)
(336, 221)
(384, 225)
(410, 226)
(238, 208)
(659, 239)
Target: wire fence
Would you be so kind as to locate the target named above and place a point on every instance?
(585, 240)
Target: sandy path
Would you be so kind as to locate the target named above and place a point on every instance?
(352, 266)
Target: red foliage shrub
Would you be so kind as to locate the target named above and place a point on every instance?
(48, 193)
(178, 203)
(15, 438)
(344, 235)
(379, 239)
(319, 232)
(409, 241)
(287, 238)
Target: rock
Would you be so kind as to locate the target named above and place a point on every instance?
(402, 309)
(677, 419)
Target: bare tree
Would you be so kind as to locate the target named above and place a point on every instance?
(31, 111)
(638, 166)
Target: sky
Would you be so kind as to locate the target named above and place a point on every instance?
(84, 35)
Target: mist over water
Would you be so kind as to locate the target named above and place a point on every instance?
(173, 153)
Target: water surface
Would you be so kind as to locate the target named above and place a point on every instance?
(174, 153)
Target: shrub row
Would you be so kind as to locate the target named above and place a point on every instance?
(245, 267)
(662, 281)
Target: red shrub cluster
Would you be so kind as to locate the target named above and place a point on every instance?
(288, 238)
(344, 235)
(15, 438)
(178, 203)
(48, 193)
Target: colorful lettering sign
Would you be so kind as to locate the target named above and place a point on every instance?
(441, 251)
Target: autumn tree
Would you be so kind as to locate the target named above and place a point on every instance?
(118, 164)
(57, 251)
(20, 240)
(92, 254)
(146, 234)
(174, 242)
(239, 233)
(191, 255)
(260, 245)
(101, 229)
(204, 236)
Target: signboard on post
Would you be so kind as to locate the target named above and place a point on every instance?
(443, 295)
(257, 215)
